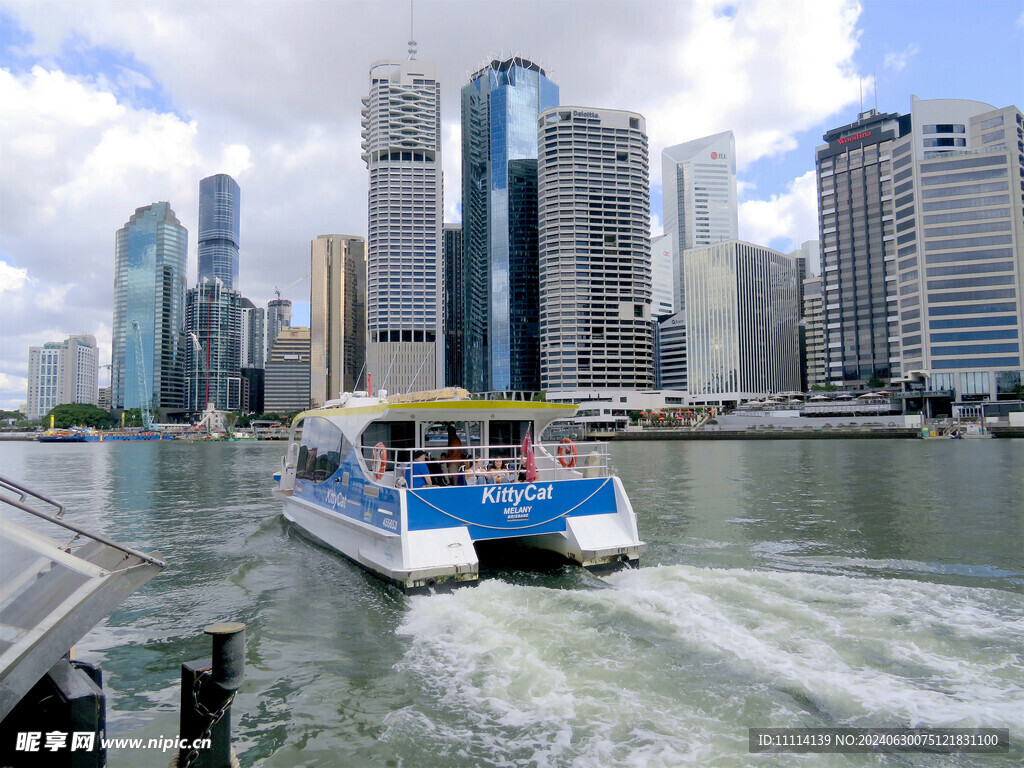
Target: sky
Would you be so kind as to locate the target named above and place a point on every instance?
(108, 107)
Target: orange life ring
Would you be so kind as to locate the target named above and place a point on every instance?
(567, 453)
(379, 462)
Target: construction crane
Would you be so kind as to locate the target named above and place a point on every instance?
(293, 282)
(200, 361)
(140, 375)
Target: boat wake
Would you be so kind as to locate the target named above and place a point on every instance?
(673, 664)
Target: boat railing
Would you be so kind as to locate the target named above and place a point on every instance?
(21, 497)
(498, 463)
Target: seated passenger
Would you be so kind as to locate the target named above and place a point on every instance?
(499, 473)
(418, 474)
(474, 473)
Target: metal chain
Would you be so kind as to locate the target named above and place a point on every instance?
(215, 717)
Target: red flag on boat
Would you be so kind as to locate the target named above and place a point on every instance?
(529, 462)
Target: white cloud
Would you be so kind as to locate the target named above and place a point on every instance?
(9, 383)
(11, 279)
(791, 216)
(265, 92)
(897, 62)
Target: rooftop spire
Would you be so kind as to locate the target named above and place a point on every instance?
(412, 37)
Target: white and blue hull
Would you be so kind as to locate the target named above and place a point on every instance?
(424, 538)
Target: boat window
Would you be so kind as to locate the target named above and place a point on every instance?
(322, 448)
(399, 437)
(509, 434)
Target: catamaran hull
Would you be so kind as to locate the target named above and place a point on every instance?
(421, 561)
(438, 558)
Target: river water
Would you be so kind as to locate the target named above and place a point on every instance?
(791, 583)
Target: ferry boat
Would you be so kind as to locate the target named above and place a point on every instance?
(369, 479)
(62, 436)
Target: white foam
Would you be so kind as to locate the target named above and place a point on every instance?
(672, 665)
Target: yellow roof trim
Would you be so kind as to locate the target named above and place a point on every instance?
(440, 405)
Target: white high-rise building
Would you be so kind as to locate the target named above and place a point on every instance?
(959, 262)
(741, 322)
(254, 335)
(664, 276)
(699, 191)
(62, 372)
(402, 151)
(595, 257)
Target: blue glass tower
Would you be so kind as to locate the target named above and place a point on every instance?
(149, 291)
(500, 106)
(218, 229)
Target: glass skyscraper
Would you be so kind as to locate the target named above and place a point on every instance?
(454, 305)
(218, 229)
(149, 290)
(500, 106)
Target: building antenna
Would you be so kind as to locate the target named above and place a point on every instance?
(874, 82)
(412, 37)
(860, 82)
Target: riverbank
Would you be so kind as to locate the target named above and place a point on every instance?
(785, 433)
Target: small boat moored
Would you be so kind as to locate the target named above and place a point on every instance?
(406, 485)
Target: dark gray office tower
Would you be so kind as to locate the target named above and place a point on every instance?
(454, 309)
(500, 106)
(858, 245)
(218, 229)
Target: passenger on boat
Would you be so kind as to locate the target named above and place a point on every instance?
(499, 474)
(474, 473)
(454, 454)
(439, 471)
(418, 474)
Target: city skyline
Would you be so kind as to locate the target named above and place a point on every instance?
(75, 79)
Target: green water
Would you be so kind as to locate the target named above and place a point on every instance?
(865, 583)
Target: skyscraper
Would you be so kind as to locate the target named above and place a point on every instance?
(279, 317)
(454, 305)
(959, 219)
(337, 315)
(218, 229)
(595, 258)
(286, 387)
(500, 105)
(741, 322)
(698, 182)
(62, 372)
(254, 335)
(813, 371)
(858, 242)
(149, 311)
(213, 323)
(664, 275)
(402, 151)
